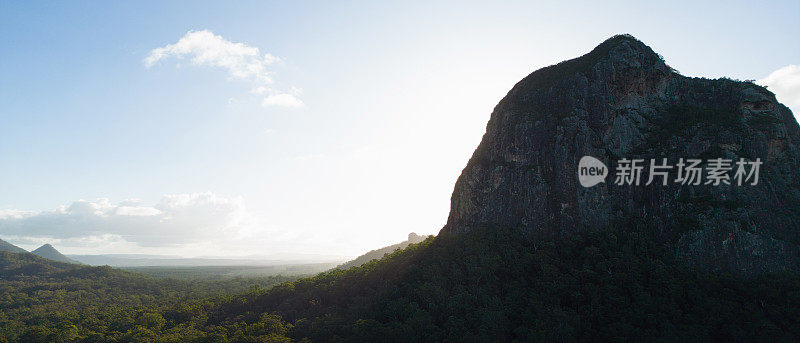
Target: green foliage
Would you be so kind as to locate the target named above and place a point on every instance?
(226, 272)
(380, 253)
(47, 301)
(492, 284)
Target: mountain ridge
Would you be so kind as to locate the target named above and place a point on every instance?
(6, 246)
(376, 254)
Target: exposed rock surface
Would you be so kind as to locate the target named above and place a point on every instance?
(622, 100)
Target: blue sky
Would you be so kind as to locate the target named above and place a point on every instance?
(395, 97)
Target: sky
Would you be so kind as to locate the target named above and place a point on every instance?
(319, 128)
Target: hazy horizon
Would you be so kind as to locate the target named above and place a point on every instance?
(208, 130)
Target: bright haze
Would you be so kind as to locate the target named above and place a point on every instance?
(262, 128)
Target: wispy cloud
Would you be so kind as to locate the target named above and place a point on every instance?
(174, 220)
(785, 83)
(239, 60)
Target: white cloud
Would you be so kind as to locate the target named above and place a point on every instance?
(276, 98)
(207, 49)
(189, 225)
(241, 61)
(260, 90)
(785, 83)
(282, 99)
(174, 220)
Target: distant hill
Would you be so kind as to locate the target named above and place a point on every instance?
(49, 252)
(15, 266)
(413, 238)
(6, 246)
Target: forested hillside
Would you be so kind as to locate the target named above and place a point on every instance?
(609, 285)
(377, 254)
(6, 246)
(47, 301)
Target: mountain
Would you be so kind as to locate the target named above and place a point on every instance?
(6, 246)
(413, 238)
(622, 101)
(529, 254)
(49, 252)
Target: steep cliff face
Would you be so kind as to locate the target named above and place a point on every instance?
(622, 100)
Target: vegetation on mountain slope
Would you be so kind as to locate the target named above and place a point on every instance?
(609, 285)
(6, 246)
(377, 254)
(46, 301)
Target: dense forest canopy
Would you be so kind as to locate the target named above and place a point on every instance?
(48, 301)
(608, 285)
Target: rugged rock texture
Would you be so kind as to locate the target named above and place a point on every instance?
(621, 100)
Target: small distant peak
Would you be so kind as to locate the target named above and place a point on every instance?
(49, 252)
(46, 246)
(412, 236)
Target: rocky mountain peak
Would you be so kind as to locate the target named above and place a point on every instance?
(620, 60)
(621, 101)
